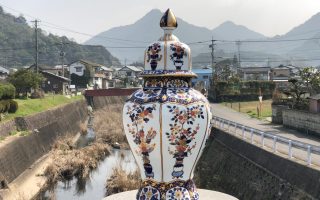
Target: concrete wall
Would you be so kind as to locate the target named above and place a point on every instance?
(304, 121)
(100, 102)
(233, 166)
(19, 154)
(277, 113)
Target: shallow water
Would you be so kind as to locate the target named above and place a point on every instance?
(94, 186)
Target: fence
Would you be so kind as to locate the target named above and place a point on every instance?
(277, 144)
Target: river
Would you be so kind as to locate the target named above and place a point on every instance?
(94, 186)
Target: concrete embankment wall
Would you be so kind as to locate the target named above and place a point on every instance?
(21, 152)
(233, 166)
(100, 102)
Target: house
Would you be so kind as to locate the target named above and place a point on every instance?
(4, 72)
(54, 83)
(281, 74)
(129, 72)
(255, 73)
(98, 75)
(57, 70)
(203, 77)
(314, 103)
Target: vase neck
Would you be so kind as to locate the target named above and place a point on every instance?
(167, 82)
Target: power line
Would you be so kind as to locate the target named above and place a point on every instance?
(92, 35)
(276, 40)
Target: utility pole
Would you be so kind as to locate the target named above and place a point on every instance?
(212, 66)
(62, 54)
(239, 57)
(36, 43)
(212, 56)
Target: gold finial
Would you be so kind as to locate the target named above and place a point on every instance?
(168, 20)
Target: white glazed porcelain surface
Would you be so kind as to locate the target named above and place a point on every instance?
(167, 122)
(167, 138)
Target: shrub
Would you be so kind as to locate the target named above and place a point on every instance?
(37, 95)
(13, 106)
(4, 106)
(7, 91)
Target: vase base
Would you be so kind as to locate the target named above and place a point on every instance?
(204, 195)
(151, 189)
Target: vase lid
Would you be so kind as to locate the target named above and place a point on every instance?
(168, 56)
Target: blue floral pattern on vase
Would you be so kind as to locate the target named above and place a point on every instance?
(153, 55)
(149, 193)
(178, 52)
(178, 193)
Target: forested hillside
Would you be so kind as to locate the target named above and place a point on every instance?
(17, 46)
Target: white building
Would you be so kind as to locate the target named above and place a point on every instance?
(100, 75)
(129, 72)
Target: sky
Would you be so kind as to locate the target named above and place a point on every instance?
(90, 17)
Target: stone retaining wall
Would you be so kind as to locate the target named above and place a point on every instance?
(306, 122)
(7, 127)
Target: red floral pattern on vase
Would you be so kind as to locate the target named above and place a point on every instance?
(182, 133)
(140, 115)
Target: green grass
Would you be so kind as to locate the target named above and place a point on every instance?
(32, 106)
(250, 108)
(24, 133)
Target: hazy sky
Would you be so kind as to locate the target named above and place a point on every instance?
(269, 17)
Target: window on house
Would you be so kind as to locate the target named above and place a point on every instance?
(55, 85)
(78, 69)
(129, 73)
(205, 77)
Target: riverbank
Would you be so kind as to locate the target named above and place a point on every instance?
(65, 160)
(32, 106)
(71, 164)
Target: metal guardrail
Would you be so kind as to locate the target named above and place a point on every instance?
(233, 128)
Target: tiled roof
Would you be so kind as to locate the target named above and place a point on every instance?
(57, 76)
(132, 68)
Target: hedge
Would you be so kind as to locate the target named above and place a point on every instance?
(240, 91)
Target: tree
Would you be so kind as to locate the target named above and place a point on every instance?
(296, 90)
(311, 77)
(25, 79)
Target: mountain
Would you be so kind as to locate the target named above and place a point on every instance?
(147, 30)
(281, 49)
(306, 30)
(295, 47)
(231, 31)
(17, 46)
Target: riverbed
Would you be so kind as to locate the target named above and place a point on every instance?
(94, 186)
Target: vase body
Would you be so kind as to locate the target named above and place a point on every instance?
(167, 128)
(167, 122)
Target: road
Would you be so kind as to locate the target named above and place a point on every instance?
(265, 126)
